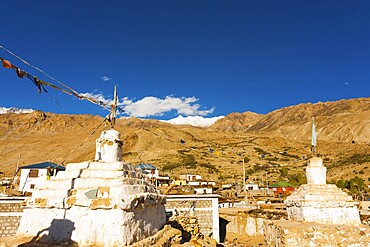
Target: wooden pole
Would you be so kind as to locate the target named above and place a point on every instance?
(245, 190)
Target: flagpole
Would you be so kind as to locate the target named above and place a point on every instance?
(313, 137)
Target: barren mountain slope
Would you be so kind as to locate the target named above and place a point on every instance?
(42, 136)
(236, 121)
(343, 120)
(179, 149)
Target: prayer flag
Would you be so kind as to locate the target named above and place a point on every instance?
(6, 64)
(313, 138)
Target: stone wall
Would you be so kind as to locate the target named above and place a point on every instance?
(200, 209)
(287, 233)
(10, 215)
(245, 222)
(242, 223)
(203, 207)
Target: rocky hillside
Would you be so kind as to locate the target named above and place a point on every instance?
(237, 121)
(269, 142)
(343, 121)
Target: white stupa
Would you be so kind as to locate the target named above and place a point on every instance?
(319, 202)
(101, 203)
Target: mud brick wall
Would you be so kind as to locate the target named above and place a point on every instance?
(10, 216)
(202, 209)
(9, 225)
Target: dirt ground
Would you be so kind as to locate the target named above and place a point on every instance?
(233, 239)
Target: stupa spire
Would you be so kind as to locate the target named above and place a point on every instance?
(313, 137)
(111, 117)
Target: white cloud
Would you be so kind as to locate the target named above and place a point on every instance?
(346, 83)
(105, 78)
(98, 97)
(153, 106)
(194, 120)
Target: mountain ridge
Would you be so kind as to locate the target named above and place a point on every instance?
(283, 138)
(343, 120)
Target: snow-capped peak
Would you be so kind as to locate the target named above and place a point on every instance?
(194, 120)
(4, 110)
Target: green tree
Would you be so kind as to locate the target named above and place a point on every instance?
(341, 183)
(356, 184)
(298, 179)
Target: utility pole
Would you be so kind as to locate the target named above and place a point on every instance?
(267, 184)
(245, 190)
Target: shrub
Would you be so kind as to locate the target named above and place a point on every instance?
(298, 179)
(355, 159)
(291, 156)
(209, 167)
(169, 167)
(272, 159)
(260, 150)
(283, 172)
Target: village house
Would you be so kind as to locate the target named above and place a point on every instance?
(251, 186)
(203, 190)
(282, 188)
(191, 179)
(179, 182)
(36, 174)
(152, 172)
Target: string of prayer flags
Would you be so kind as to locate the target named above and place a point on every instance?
(8, 65)
(35, 81)
(40, 86)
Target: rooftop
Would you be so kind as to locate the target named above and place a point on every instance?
(43, 165)
(146, 166)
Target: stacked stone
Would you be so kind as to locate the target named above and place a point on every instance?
(187, 224)
(365, 219)
(292, 234)
(97, 186)
(10, 215)
(204, 217)
(7, 207)
(9, 225)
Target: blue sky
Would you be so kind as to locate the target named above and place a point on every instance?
(187, 57)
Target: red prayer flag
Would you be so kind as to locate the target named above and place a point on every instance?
(6, 64)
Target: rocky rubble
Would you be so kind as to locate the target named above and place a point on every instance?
(365, 220)
(292, 234)
(191, 236)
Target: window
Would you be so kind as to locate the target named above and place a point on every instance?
(34, 173)
(32, 186)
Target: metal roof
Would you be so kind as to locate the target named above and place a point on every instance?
(146, 166)
(282, 184)
(43, 165)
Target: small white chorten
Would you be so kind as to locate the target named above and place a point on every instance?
(109, 146)
(319, 202)
(316, 172)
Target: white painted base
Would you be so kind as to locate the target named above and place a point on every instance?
(99, 227)
(322, 203)
(94, 204)
(339, 216)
